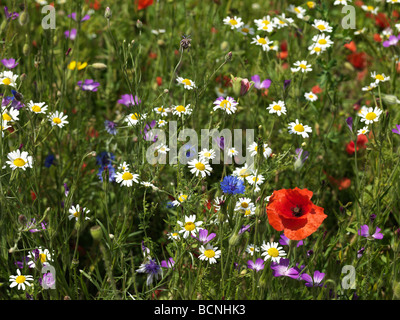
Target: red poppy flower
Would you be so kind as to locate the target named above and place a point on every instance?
(381, 20)
(316, 89)
(361, 143)
(292, 211)
(359, 60)
(351, 46)
(144, 4)
(159, 81)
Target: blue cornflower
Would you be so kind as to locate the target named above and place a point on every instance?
(104, 160)
(49, 160)
(152, 269)
(170, 205)
(110, 170)
(232, 185)
(111, 127)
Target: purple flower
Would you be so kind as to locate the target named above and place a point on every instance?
(301, 157)
(71, 34)
(220, 142)
(167, 263)
(145, 250)
(204, 237)
(152, 269)
(244, 229)
(111, 127)
(257, 266)
(31, 226)
(397, 130)
(282, 269)
(286, 84)
(148, 135)
(9, 63)
(314, 281)
(285, 241)
(66, 189)
(89, 85)
(360, 252)
(265, 84)
(73, 16)
(364, 232)
(13, 15)
(244, 86)
(349, 122)
(48, 281)
(392, 41)
(128, 100)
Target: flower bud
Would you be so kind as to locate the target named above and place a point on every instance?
(22, 219)
(23, 18)
(99, 66)
(228, 56)
(96, 233)
(390, 99)
(108, 13)
(25, 49)
(234, 239)
(224, 45)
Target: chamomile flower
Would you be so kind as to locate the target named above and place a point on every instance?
(126, 178)
(182, 198)
(208, 154)
(227, 104)
(243, 204)
(371, 115)
(360, 31)
(251, 248)
(41, 254)
(161, 123)
(161, 111)
(310, 96)
(253, 148)
(123, 166)
(255, 179)
(20, 281)
(76, 212)
(364, 130)
(163, 149)
(298, 11)
(174, 236)
(187, 83)
(250, 210)
(300, 129)
(8, 78)
(265, 24)
(148, 184)
(272, 250)
(243, 172)
(311, 4)
(190, 226)
(277, 107)
(342, 2)
(362, 110)
(232, 152)
(4, 126)
(245, 30)
(221, 92)
(315, 49)
(393, 1)
(181, 110)
(379, 77)
(209, 253)
(370, 9)
(133, 118)
(37, 107)
(301, 66)
(323, 41)
(9, 115)
(322, 25)
(58, 119)
(282, 21)
(200, 166)
(370, 87)
(263, 42)
(20, 160)
(234, 23)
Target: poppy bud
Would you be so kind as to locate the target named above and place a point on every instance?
(23, 18)
(390, 99)
(25, 49)
(234, 239)
(96, 233)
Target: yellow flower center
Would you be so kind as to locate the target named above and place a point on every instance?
(247, 212)
(251, 249)
(57, 120)
(310, 4)
(317, 49)
(161, 109)
(76, 214)
(200, 166)
(7, 81)
(233, 22)
(187, 82)
(322, 41)
(244, 204)
(297, 10)
(175, 234)
(311, 96)
(262, 41)
(20, 279)
(246, 30)
(19, 162)
(6, 117)
(321, 27)
(42, 257)
(209, 253)
(370, 116)
(370, 8)
(277, 107)
(298, 127)
(255, 179)
(36, 108)
(180, 109)
(207, 154)
(182, 198)
(379, 77)
(127, 176)
(273, 252)
(303, 66)
(135, 116)
(189, 226)
(244, 172)
(225, 104)
(266, 22)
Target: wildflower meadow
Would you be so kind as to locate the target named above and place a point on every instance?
(199, 150)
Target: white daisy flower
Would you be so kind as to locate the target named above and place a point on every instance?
(342, 2)
(322, 25)
(322, 40)
(162, 111)
(245, 30)
(360, 31)
(4, 126)
(263, 42)
(43, 255)
(255, 179)
(243, 172)
(181, 110)
(76, 212)
(301, 66)
(37, 107)
(277, 107)
(371, 115)
(10, 115)
(251, 248)
(234, 23)
(282, 21)
(251, 210)
(187, 83)
(300, 129)
(364, 130)
(58, 119)
(221, 92)
(379, 77)
(163, 149)
(200, 166)
(371, 9)
(310, 96)
(272, 250)
(267, 151)
(133, 118)
(218, 202)
(126, 178)
(190, 226)
(393, 1)
(209, 253)
(174, 236)
(18, 159)
(208, 154)
(298, 11)
(161, 123)
(182, 198)
(8, 78)
(315, 49)
(148, 185)
(370, 87)
(265, 24)
(227, 104)
(20, 280)
(243, 204)
(363, 109)
(123, 166)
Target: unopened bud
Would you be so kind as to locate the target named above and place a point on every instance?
(228, 56)
(108, 13)
(139, 24)
(22, 219)
(23, 18)
(96, 233)
(99, 66)
(390, 99)
(25, 49)
(234, 239)
(224, 45)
